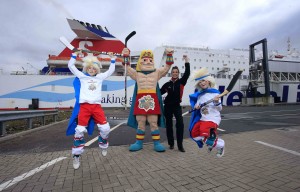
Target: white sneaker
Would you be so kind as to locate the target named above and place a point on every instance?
(220, 152)
(76, 162)
(104, 152)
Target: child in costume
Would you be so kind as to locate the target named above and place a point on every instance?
(90, 103)
(147, 103)
(206, 119)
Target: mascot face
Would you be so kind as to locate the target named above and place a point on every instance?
(146, 61)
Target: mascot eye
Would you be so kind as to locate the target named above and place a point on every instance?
(144, 60)
(151, 60)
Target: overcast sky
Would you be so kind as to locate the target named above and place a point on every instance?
(30, 29)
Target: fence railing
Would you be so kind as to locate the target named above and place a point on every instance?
(6, 116)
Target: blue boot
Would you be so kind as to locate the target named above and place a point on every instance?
(156, 141)
(138, 145)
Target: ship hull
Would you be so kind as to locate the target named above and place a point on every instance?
(19, 91)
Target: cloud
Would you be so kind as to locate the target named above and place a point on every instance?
(30, 29)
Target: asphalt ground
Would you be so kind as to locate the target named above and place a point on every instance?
(264, 158)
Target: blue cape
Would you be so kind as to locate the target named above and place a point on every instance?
(196, 115)
(132, 122)
(73, 120)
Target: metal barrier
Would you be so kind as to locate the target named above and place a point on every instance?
(29, 115)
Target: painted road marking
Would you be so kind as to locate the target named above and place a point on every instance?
(28, 174)
(185, 113)
(286, 115)
(96, 138)
(280, 148)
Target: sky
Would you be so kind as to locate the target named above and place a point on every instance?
(30, 29)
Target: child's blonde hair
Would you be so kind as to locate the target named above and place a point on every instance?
(91, 61)
(202, 74)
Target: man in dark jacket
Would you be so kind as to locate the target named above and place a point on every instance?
(175, 88)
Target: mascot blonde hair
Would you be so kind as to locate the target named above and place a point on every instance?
(89, 61)
(144, 54)
(203, 74)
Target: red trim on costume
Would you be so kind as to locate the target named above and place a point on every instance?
(215, 142)
(78, 138)
(82, 145)
(181, 91)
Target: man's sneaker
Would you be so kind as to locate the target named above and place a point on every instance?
(220, 152)
(76, 162)
(104, 152)
(209, 148)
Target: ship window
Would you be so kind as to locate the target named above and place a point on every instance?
(195, 67)
(218, 68)
(175, 59)
(182, 67)
(199, 60)
(212, 68)
(194, 59)
(218, 61)
(212, 61)
(228, 61)
(223, 61)
(233, 62)
(206, 60)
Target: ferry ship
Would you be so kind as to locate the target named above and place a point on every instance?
(53, 87)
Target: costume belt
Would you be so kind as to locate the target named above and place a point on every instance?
(146, 91)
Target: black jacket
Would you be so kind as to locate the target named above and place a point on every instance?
(175, 89)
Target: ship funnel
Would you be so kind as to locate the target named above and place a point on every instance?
(106, 30)
(100, 28)
(82, 23)
(88, 25)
